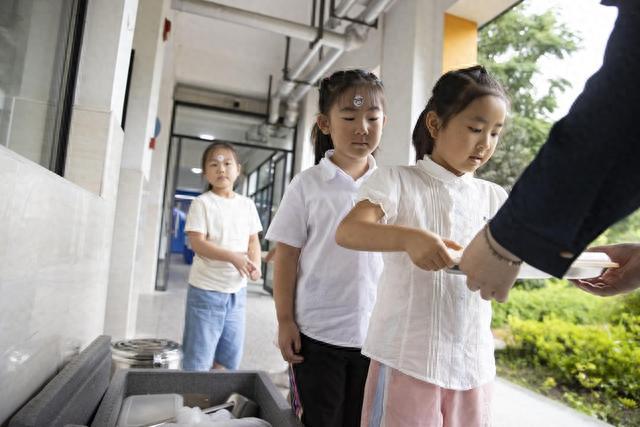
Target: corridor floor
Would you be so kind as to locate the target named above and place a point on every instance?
(161, 315)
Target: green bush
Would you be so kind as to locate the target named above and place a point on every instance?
(605, 357)
(591, 360)
(559, 298)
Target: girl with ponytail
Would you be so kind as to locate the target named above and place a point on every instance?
(429, 338)
(324, 294)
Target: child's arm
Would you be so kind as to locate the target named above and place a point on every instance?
(284, 289)
(255, 253)
(206, 249)
(361, 230)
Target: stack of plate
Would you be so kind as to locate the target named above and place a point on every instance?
(587, 265)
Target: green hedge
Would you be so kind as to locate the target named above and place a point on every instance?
(574, 346)
(558, 298)
(603, 358)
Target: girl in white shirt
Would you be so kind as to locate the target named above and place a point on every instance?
(429, 338)
(324, 294)
(223, 229)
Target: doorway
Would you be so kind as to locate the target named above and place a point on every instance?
(266, 154)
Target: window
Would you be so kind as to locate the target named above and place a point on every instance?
(39, 47)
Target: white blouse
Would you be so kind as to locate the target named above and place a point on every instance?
(428, 324)
(336, 287)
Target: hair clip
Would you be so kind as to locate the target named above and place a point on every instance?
(358, 101)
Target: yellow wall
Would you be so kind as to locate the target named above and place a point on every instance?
(460, 47)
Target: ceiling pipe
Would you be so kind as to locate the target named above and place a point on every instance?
(374, 9)
(287, 86)
(341, 10)
(263, 22)
(370, 14)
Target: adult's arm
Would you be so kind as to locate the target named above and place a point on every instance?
(587, 175)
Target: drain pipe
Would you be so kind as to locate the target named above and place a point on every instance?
(287, 86)
(375, 8)
(291, 115)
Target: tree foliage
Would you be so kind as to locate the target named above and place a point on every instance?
(511, 48)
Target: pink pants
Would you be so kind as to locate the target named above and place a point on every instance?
(393, 399)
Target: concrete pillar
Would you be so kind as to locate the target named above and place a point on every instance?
(411, 63)
(146, 268)
(122, 298)
(307, 119)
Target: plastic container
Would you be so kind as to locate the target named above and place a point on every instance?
(145, 408)
(217, 385)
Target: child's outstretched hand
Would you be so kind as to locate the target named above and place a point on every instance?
(428, 251)
(289, 342)
(243, 264)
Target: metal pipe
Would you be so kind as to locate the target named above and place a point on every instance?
(374, 9)
(260, 21)
(344, 7)
(287, 86)
(314, 75)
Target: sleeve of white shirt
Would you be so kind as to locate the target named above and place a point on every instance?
(382, 188)
(254, 219)
(289, 226)
(500, 196)
(197, 217)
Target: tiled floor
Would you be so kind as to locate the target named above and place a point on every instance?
(161, 315)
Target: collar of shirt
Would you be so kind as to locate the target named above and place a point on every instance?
(330, 169)
(440, 173)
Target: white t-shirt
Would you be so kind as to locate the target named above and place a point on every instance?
(336, 287)
(227, 223)
(428, 324)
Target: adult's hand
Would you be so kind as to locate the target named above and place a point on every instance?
(486, 271)
(615, 281)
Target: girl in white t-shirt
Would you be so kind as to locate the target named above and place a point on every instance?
(429, 338)
(223, 229)
(324, 294)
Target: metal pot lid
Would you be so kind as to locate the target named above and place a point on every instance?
(146, 349)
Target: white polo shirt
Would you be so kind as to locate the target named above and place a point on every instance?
(336, 287)
(428, 324)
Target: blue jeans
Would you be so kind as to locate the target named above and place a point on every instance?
(213, 329)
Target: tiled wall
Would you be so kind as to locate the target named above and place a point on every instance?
(54, 246)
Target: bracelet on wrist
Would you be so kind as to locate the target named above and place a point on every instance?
(495, 253)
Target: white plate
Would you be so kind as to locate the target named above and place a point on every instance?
(587, 265)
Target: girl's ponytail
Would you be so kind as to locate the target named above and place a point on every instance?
(321, 143)
(421, 137)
